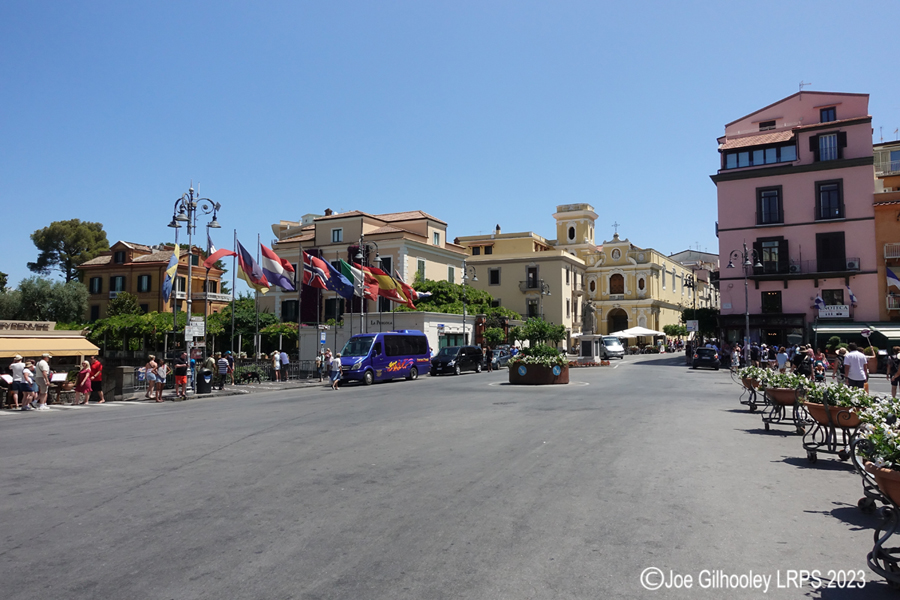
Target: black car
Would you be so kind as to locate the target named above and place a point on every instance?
(456, 359)
(706, 357)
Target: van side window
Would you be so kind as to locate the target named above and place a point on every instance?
(376, 349)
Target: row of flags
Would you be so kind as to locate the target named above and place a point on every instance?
(347, 280)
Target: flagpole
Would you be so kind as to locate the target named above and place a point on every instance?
(298, 278)
(233, 284)
(256, 340)
(174, 298)
(205, 301)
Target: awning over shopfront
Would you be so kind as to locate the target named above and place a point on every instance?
(840, 328)
(889, 330)
(35, 346)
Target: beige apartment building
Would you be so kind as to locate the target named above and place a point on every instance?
(406, 243)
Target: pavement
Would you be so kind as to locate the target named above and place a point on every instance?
(445, 487)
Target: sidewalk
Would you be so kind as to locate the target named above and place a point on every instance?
(230, 390)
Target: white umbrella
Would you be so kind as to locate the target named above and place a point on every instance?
(637, 332)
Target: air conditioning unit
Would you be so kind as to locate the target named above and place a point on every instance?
(795, 268)
(852, 265)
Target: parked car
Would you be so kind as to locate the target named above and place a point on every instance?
(501, 359)
(456, 359)
(612, 348)
(706, 357)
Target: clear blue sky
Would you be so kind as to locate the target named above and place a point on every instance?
(477, 112)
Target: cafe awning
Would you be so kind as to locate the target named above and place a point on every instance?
(35, 346)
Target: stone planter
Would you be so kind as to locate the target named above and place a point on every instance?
(840, 416)
(872, 361)
(888, 481)
(521, 374)
(783, 396)
(750, 384)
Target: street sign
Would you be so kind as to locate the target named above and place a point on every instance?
(692, 325)
(322, 337)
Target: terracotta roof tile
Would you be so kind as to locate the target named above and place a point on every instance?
(407, 216)
(161, 256)
(100, 260)
(352, 213)
(303, 237)
(387, 229)
(770, 137)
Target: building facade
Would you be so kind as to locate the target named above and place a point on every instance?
(795, 187)
(887, 231)
(140, 270)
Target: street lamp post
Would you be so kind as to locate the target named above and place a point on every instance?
(465, 277)
(690, 282)
(185, 211)
(545, 291)
(747, 258)
(361, 259)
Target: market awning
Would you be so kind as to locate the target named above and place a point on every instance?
(839, 328)
(891, 332)
(637, 332)
(35, 346)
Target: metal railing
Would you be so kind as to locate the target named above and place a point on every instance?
(821, 265)
(892, 250)
(886, 167)
(893, 302)
(526, 285)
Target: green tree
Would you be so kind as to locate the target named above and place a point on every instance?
(3, 279)
(493, 336)
(675, 330)
(64, 245)
(448, 297)
(538, 331)
(123, 304)
(39, 299)
(707, 320)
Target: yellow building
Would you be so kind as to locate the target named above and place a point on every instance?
(887, 236)
(406, 243)
(592, 289)
(139, 270)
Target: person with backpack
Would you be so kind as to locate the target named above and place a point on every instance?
(893, 369)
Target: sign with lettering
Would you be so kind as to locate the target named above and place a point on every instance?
(836, 311)
(27, 325)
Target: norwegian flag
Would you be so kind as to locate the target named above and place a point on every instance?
(315, 271)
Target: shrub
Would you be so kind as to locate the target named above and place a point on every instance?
(870, 351)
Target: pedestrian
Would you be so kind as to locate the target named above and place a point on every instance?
(893, 369)
(276, 365)
(29, 386)
(319, 365)
(150, 376)
(781, 359)
(162, 372)
(16, 369)
(83, 383)
(285, 361)
(857, 367)
(754, 354)
(326, 361)
(210, 363)
(336, 371)
(223, 366)
(97, 378)
(489, 358)
(838, 369)
(180, 371)
(230, 358)
(42, 379)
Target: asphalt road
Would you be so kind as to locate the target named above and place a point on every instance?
(451, 487)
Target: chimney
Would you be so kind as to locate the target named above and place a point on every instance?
(328, 212)
(497, 230)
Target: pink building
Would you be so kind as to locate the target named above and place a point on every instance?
(796, 185)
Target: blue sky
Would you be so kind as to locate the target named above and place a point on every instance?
(476, 112)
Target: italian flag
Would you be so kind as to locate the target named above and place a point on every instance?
(361, 287)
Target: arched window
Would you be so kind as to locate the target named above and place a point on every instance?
(593, 286)
(641, 283)
(616, 284)
(571, 233)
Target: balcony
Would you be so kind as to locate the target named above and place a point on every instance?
(887, 167)
(893, 302)
(529, 285)
(115, 294)
(810, 267)
(891, 251)
(211, 297)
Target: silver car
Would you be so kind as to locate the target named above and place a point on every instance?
(611, 348)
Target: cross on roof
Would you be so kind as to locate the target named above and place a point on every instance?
(616, 227)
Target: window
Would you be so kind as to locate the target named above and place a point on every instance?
(829, 199)
(567, 275)
(337, 236)
(212, 287)
(451, 274)
(828, 147)
(531, 278)
(495, 303)
(568, 308)
(532, 307)
(772, 254)
(95, 313)
(769, 206)
(761, 156)
(616, 284)
(830, 252)
(421, 269)
(179, 284)
(827, 115)
(766, 125)
(571, 233)
(289, 311)
(476, 250)
(493, 276)
(117, 283)
(833, 297)
(593, 287)
(488, 249)
(96, 285)
(195, 259)
(143, 283)
(771, 302)
(387, 265)
(145, 308)
(663, 279)
(119, 257)
(334, 308)
(641, 283)
(437, 238)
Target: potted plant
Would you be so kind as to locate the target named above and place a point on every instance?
(879, 433)
(752, 377)
(831, 347)
(871, 353)
(538, 365)
(842, 402)
(783, 388)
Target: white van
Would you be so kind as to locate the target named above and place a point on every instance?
(611, 348)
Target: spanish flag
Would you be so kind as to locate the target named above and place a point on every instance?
(387, 287)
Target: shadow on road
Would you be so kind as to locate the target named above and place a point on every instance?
(820, 464)
(874, 590)
(851, 515)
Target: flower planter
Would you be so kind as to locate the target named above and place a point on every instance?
(872, 361)
(522, 374)
(841, 416)
(888, 481)
(783, 396)
(750, 384)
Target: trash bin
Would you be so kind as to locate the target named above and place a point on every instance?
(204, 382)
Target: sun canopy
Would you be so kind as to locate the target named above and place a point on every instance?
(35, 346)
(637, 332)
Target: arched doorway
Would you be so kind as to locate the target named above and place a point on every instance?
(616, 320)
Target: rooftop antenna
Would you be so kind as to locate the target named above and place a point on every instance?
(802, 83)
(880, 133)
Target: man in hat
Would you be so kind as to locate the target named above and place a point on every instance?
(17, 369)
(42, 377)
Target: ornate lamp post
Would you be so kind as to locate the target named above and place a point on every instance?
(465, 277)
(360, 258)
(185, 211)
(747, 258)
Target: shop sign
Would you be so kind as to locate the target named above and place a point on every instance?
(837, 311)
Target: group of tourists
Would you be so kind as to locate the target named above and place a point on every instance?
(156, 371)
(330, 364)
(280, 362)
(29, 382)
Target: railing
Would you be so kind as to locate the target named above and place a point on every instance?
(887, 167)
(524, 286)
(617, 296)
(211, 296)
(114, 294)
(892, 250)
(893, 302)
(822, 265)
